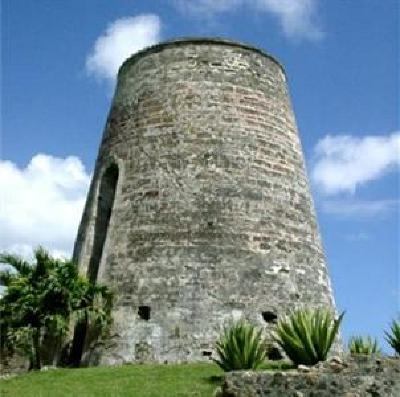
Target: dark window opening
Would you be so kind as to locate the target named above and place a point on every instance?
(153, 193)
(105, 205)
(274, 354)
(269, 317)
(207, 353)
(144, 312)
(210, 223)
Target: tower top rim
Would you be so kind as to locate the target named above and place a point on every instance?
(194, 40)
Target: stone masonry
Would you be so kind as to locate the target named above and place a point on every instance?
(361, 376)
(199, 212)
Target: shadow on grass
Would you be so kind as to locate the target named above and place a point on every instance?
(214, 380)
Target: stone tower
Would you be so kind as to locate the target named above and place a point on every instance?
(199, 211)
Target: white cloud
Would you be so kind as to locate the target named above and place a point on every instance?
(296, 17)
(343, 162)
(121, 39)
(41, 204)
(360, 208)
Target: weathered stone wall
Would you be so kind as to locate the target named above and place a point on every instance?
(12, 363)
(360, 377)
(213, 218)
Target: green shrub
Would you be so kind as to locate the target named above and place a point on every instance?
(42, 298)
(363, 345)
(306, 335)
(240, 347)
(393, 336)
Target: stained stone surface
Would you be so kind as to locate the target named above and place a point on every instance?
(199, 208)
(355, 377)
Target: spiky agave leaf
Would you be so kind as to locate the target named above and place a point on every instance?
(302, 323)
(363, 345)
(306, 335)
(240, 347)
(393, 336)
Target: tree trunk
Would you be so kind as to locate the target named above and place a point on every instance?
(36, 349)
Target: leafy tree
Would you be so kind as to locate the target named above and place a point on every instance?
(44, 297)
(306, 335)
(240, 347)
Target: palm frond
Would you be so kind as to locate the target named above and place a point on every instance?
(17, 262)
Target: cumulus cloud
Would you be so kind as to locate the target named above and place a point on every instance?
(121, 39)
(298, 18)
(343, 162)
(41, 204)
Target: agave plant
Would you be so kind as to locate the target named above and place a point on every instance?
(306, 335)
(240, 347)
(393, 336)
(363, 345)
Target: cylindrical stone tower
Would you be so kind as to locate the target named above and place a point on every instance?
(199, 211)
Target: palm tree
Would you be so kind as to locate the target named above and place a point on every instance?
(42, 297)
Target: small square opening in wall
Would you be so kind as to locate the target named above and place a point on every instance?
(269, 316)
(274, 354)
(207, 353)
(144, 312)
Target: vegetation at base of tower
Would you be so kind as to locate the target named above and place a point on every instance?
(306, 335)
(240, 347)
(42, 298)
(141, 380)
(393, 336)
(129, 380)
(363, 345)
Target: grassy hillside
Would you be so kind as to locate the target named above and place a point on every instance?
(185, 380)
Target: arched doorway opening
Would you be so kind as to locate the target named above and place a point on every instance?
(105, 204)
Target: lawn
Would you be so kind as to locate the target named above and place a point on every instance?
(148, 380)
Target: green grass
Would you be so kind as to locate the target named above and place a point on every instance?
(148, 380)
(276, 366)
(184, 380)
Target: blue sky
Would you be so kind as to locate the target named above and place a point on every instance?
(342, 60)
